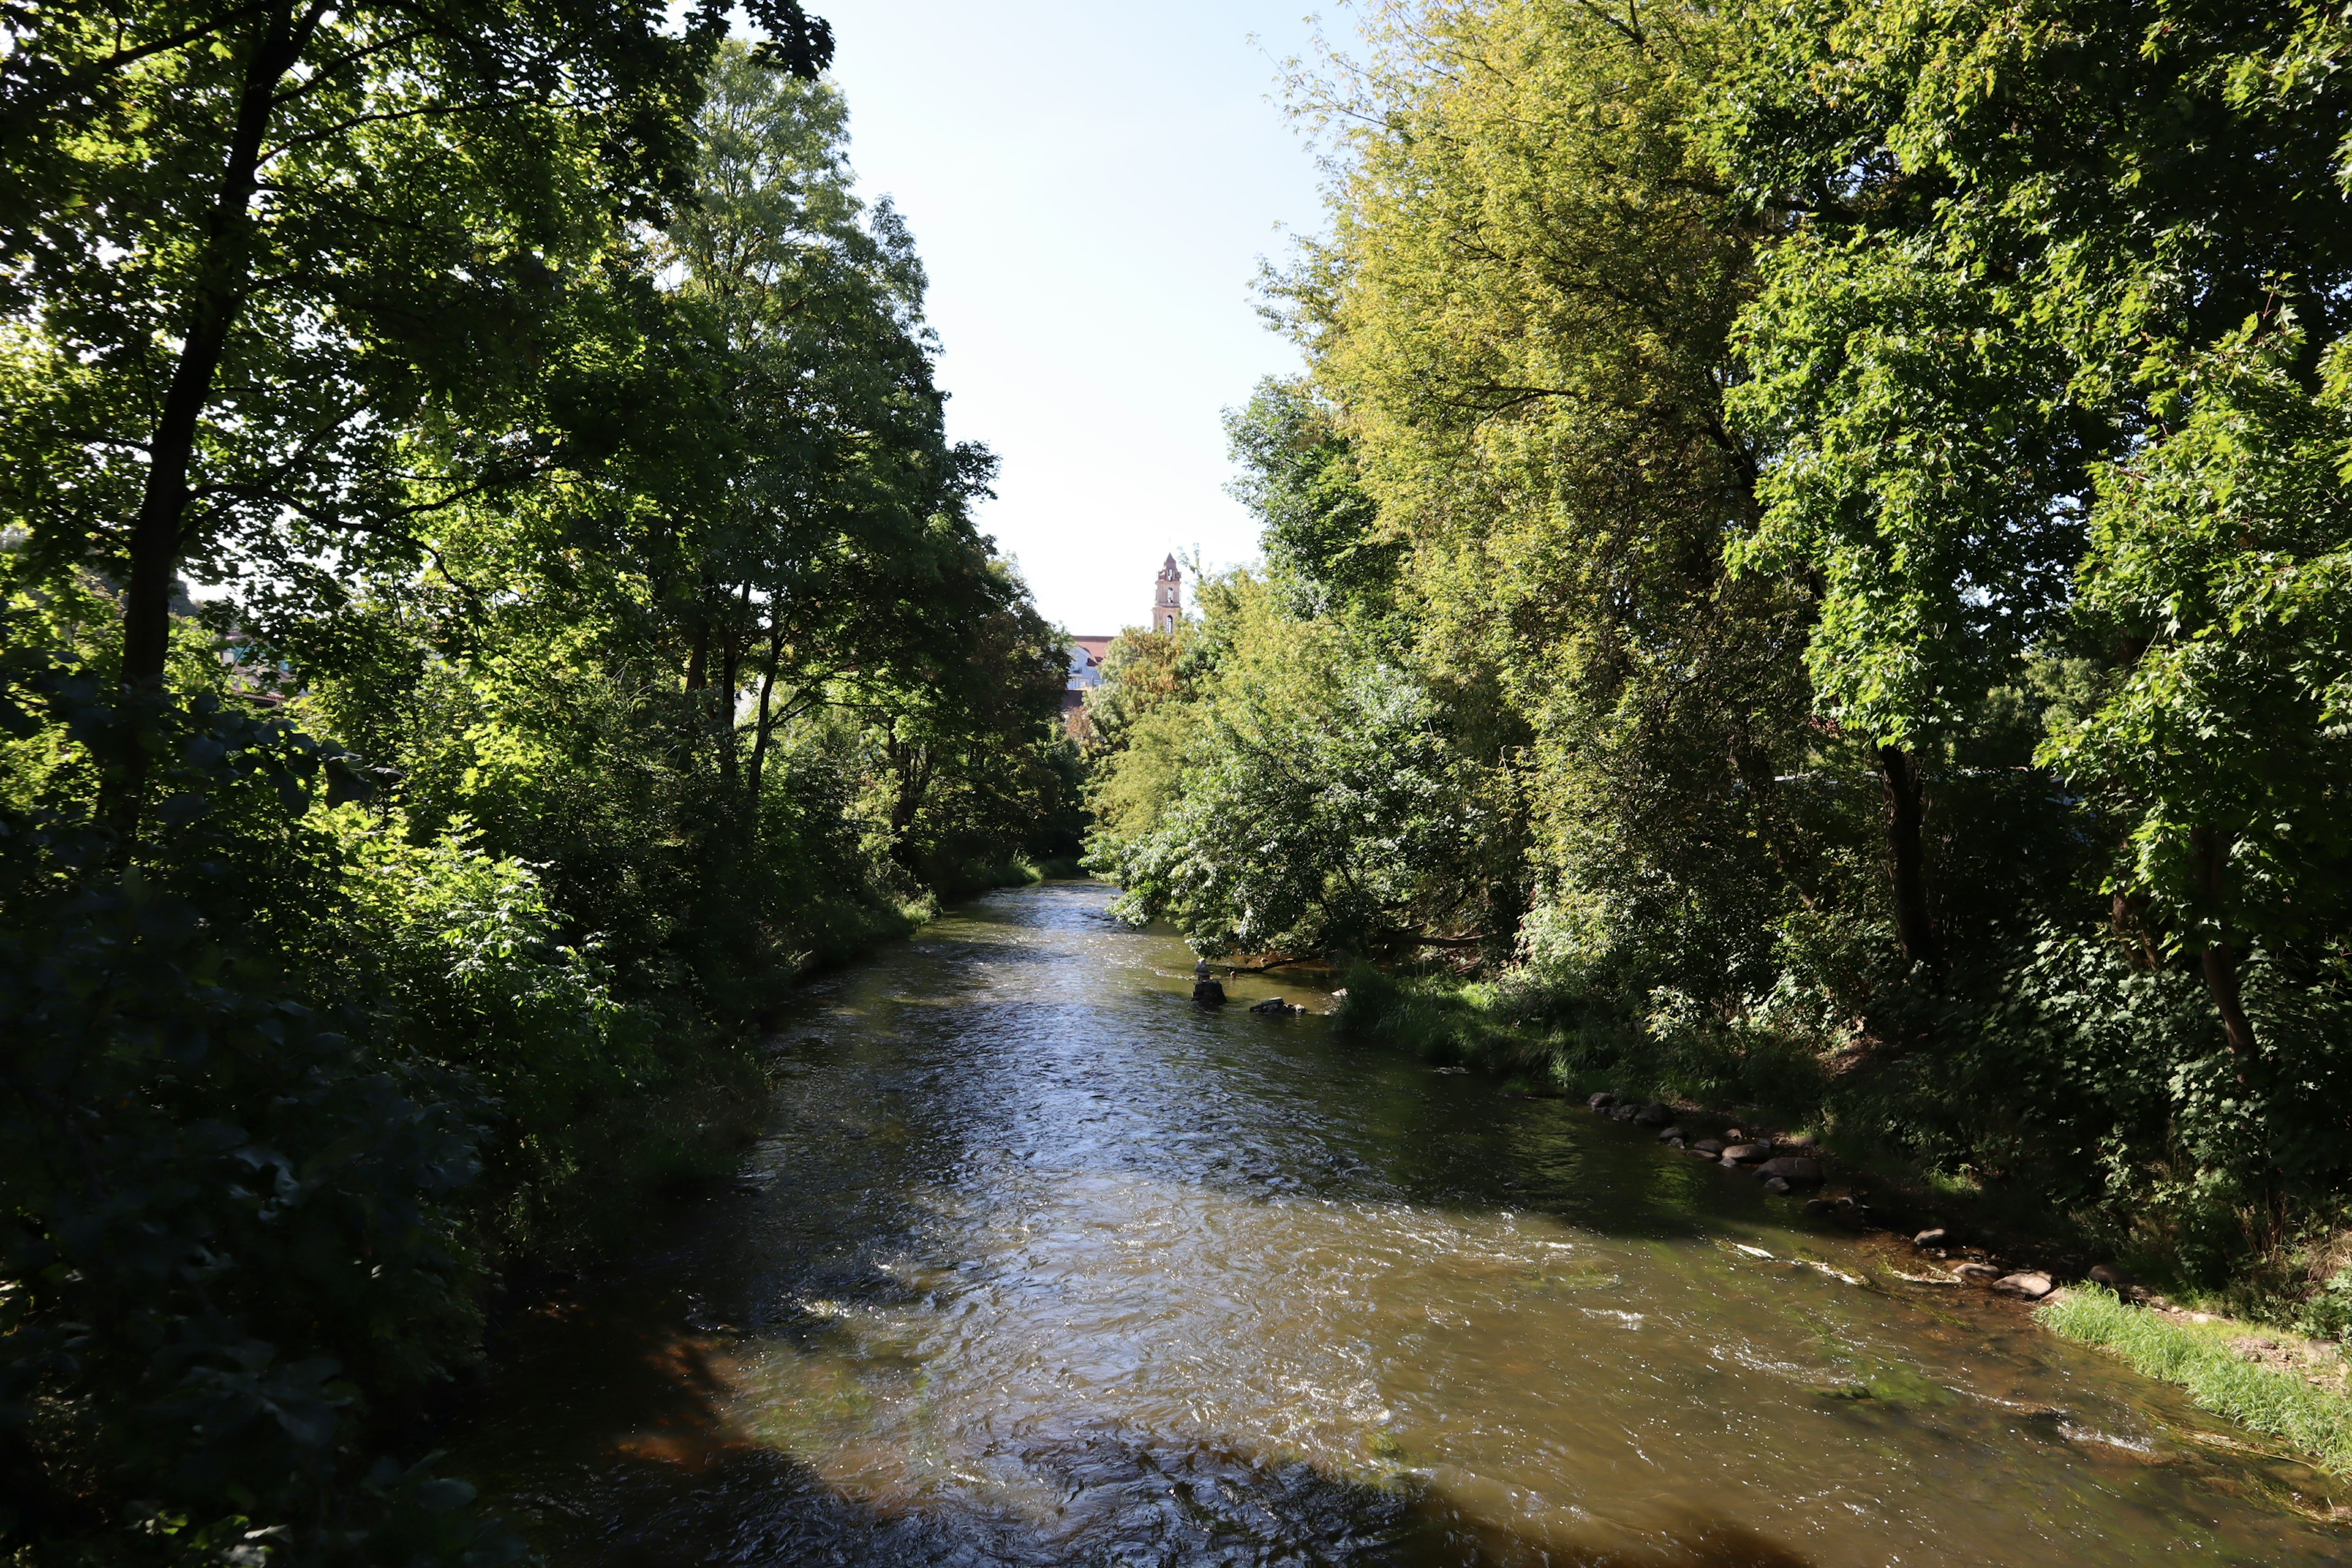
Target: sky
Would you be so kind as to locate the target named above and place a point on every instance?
(1091, 188)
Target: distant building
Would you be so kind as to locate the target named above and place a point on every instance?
(1086, 654)
(1168, 598)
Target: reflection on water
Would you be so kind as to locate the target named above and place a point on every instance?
(1043, 1265)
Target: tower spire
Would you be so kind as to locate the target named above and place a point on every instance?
(1167, 597)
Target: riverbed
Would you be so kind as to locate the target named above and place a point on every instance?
(1041, 1263)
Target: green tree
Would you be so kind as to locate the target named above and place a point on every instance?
(253, 248)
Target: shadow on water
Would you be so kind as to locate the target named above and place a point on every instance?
(687, 1487)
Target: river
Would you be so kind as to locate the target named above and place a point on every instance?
(1040, 1264)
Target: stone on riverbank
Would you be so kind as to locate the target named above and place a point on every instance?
(2029, 1284)
(1776, 1184)
(1977, 1273)
(2110, 1275)
(1746, 1153)
(1936, 1236)
(1710, 1147)
(1602, 1102)
(1654, 1115)
(1672, 1133)
(1794, 1170)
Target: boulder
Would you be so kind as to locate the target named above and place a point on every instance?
(1776, 1184)
(1936, 1237)
(1602, 1100)
(2028, 1283)
(1622, 1112)
(1710, 1147)
(1746, 1153)
(1975, 1273)
(1654, 1115)
(1273, 1007)
(1792, 1170)
(1208, 994)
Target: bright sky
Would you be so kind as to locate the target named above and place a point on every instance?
(1090, 186)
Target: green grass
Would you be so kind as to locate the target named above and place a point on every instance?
(2197, 1357)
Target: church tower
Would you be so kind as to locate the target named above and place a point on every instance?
(1168, 598)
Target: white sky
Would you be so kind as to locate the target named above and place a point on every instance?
(1090, 187)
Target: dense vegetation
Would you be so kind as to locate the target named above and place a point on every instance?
(1812, 567)
(485, 601)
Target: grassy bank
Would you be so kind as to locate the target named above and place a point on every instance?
(2210, 1360)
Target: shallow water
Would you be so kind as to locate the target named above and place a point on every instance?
(1043, 1265)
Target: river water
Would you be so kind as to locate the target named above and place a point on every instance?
(1043, 1265)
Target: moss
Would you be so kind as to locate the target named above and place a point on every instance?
(2199, 1358)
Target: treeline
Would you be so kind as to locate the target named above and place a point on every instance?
(1814, 567)
(485, 602)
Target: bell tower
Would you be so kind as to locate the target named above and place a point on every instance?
(1168, 598)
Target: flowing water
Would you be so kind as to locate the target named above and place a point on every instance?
(1041, 1265)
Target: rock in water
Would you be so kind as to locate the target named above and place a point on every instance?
(1975, 1273)
(2029, 1284)
(1671, 1134)
(1654, 1115)
(1939, 1236)
(1792, 1171)
(1208, 994)
(1746, 1153)
(1602, 1100)
(1776, 1184)
(1710, 1147)
(1276, 1007)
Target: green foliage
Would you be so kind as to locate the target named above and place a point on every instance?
(1290, 793)
(234, 1225)
(592, 639)
(1822, 525)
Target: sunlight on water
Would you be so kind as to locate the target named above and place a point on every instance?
(1043, 1265)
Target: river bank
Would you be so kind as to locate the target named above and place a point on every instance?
(2253, 1366)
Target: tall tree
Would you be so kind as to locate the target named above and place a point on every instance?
(253, 246)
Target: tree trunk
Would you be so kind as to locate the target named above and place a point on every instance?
(222, 276)
(2219, 959)
(730, 666)
(1906, 861)
(764, 723)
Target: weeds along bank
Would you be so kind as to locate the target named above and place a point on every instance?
(486, 603)
(1810, 569)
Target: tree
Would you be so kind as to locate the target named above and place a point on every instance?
(254, 247)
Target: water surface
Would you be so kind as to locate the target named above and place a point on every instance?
(1043, 1265)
